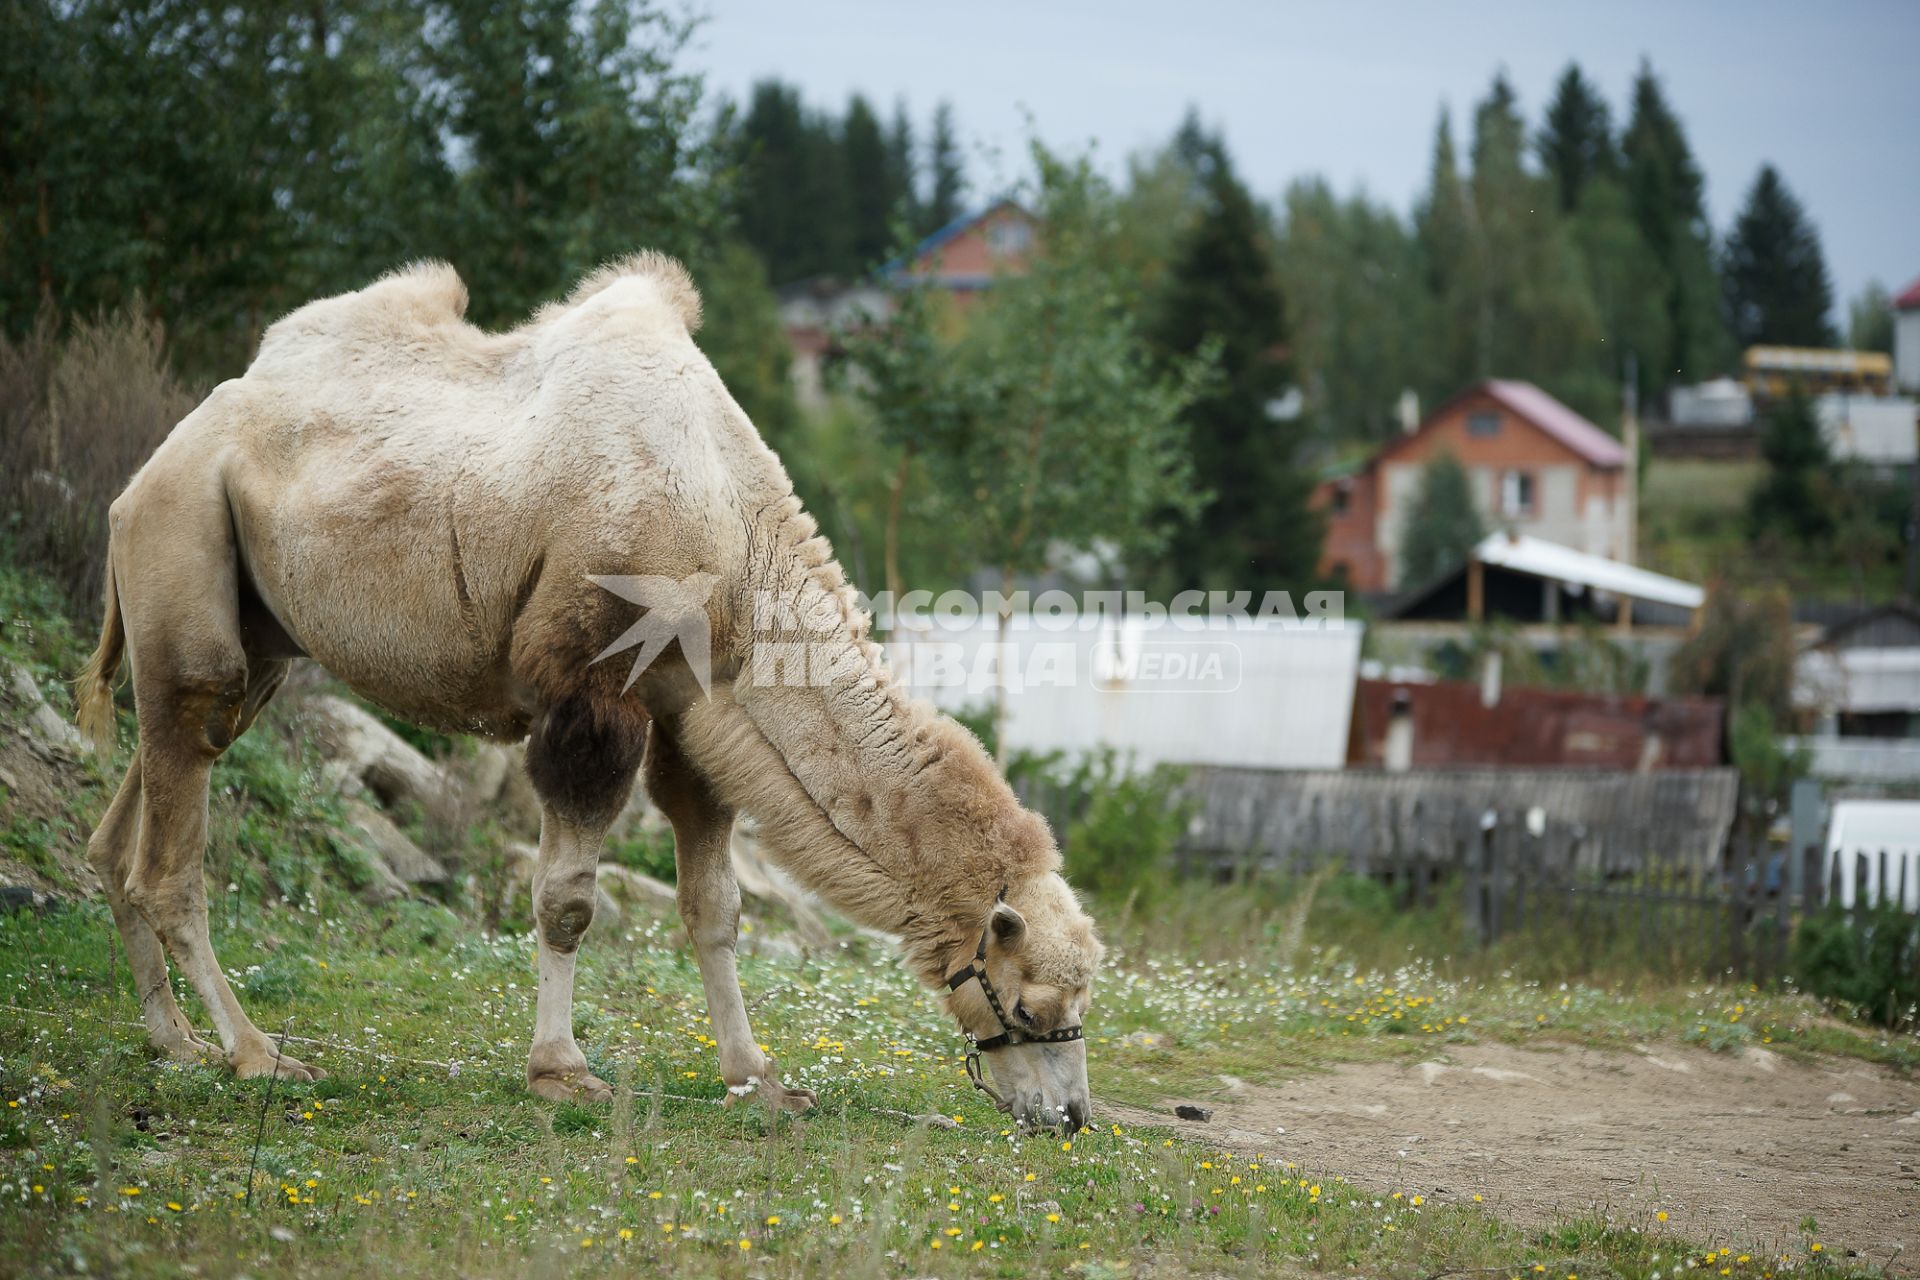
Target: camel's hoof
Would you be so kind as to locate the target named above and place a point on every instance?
(252, 1065)
(769, 1092)
(572, 1086)
(189, 1050)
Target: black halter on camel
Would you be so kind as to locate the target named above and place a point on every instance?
(1010, 1032)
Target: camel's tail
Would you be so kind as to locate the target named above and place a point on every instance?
(93, 691)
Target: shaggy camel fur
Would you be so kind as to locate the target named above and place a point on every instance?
(424, 509)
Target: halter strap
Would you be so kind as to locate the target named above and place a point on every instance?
(1010, 1034)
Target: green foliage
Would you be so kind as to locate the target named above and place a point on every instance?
(1870, 319)
(740, 332)
(1575, 141)
(1793, 501)
(949, 178)
(1506, 270)
(1220, 302)
(1042, 423)
(1443, 525)
(574, 128)
(1355, 283)
(1777, 288)
(1123, 840)
(226, 163)
(1742, 649)
(1868, 960)
(1668, 197)
(1768, 768)
(1119, 827)
(820, 195)
(648, 850)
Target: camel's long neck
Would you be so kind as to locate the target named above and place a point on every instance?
(892, 813)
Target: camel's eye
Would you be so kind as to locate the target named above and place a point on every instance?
(1020, 1012)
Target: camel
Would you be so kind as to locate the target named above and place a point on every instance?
(444, 518)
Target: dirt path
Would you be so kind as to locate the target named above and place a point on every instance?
(1734, 1149)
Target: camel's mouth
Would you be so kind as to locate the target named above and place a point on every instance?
(1044, 1086)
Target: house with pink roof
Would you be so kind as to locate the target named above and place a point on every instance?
(1537, 468)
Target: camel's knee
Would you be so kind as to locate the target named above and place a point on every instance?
(710, 911)
(565, 908)
(169, 906)
(201, 709)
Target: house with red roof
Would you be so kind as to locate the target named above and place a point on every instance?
(1536, 467)
(961, 259)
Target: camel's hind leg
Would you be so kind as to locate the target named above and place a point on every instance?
(167, 882)
(111, 852)
(196, 688)
(709, 898)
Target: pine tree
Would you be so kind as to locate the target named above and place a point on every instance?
(949, 182)
(1443, 223)
(1575, 142)
(1256, 531)
(1512, 298)
(1775, 276)
(792, 199)
(1792, 499)
(1667, 195)
(903, 173)
(1443, 524)
(870, 185)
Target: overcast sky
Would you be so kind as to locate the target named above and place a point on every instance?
(1828, 91)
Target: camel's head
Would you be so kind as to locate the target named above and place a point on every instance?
(1041, 954)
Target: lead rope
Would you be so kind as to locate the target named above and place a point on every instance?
(977, 1074)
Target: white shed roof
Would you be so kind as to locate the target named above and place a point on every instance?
(1544, 559)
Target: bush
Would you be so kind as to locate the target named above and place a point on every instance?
(78, 416)
(1867, 960)
(1119, 828)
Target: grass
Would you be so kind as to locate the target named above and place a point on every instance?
(423, 1153)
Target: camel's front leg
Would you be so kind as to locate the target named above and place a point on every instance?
(581, 759)
(564, 881)
(709, 899)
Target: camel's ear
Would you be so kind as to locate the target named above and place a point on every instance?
(1008, 925)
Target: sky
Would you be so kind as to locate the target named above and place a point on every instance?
(1828, 91)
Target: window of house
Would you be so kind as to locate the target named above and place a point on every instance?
(1483, 422)
(1342, 497)
(1516, 493)
(1009, 238)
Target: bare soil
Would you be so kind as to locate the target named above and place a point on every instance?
(1735, 1148)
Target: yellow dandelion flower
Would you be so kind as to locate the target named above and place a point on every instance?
(745, 1244)
(626, 1233)
(1053, 1217)
(773, 1220)
(834, 1220)
(1662, 1215)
